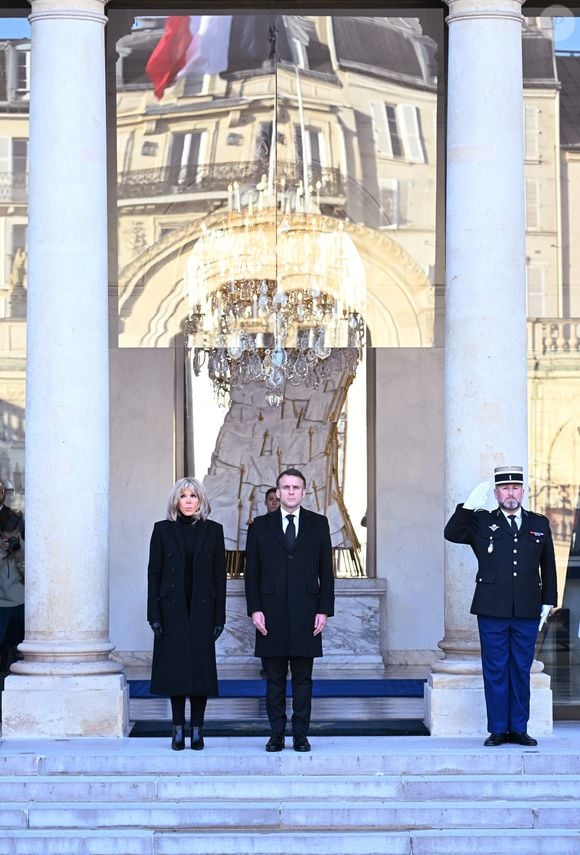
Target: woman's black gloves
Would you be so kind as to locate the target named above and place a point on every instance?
(157, 628)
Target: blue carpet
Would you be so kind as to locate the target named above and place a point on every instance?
(366, 688)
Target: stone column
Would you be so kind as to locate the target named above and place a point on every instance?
(67, 685)
(485, 343)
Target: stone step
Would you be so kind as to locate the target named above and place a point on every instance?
(443, 842)
(280, 815)
(196, 787)
(520, 842)
(86, 842)
(341, 756)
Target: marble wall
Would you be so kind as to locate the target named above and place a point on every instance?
(352, 638)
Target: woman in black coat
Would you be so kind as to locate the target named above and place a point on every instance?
(186, 606)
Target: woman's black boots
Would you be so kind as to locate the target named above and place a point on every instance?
(178, 737)
(197, 742)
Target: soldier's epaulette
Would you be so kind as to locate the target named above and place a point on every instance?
(536, 514)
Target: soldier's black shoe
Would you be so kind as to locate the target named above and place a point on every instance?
(522, 739)
(275, 743)
(495, 739)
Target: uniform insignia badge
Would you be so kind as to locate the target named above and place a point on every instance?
(493, 528)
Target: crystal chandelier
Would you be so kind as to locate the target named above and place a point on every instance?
(274, 298)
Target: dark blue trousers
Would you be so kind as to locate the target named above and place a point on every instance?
(507, 653)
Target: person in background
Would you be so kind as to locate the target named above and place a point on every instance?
(11, 579)
(186, 606)
(515, 591)
(271, 500)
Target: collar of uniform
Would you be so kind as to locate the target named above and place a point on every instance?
(517, 515)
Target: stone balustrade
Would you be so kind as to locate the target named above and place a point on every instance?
(553, 337)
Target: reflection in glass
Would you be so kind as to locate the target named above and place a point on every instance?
(334, 117)
(14, 97)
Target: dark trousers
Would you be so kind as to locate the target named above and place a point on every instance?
(11, 634)
(301, 672)
(11, 625)
(507, 653)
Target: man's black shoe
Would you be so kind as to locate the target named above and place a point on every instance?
(495, 739)
(522, 739)
(275, 743)
(301, 743)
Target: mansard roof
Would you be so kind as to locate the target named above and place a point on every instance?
(569, 74)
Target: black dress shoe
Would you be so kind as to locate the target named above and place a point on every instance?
(495, 739)
(301, 743)
(197, 742)
(522, 739)
(178, 738)
(275, 743)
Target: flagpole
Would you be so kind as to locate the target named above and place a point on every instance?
(303, 140)
(272, 160)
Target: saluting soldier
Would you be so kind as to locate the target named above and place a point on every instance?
(516, 589)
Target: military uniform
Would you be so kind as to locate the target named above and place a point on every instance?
(516, 575)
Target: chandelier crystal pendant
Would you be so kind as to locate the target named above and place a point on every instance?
(274, 299)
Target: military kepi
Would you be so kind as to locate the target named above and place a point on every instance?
(508, 475)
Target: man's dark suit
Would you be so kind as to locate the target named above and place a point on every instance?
(516, 574)
(290, 585)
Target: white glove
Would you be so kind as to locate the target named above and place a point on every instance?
(478, 497)
(544, 614)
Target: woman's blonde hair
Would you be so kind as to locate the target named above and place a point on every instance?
(197, 489)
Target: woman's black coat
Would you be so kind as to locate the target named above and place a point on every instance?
(184, 658)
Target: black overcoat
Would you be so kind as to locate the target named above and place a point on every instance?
(290, 585)
(515, 576)
(184, 658)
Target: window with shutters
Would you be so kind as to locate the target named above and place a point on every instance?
(195, 84)
(532, 133)
(23, 72)
(393, 203)
(393, 130)
(536, 291)
(13, 169)
(311, 150)
(3, 74)
(186, 156)
(397, 131)
(533, 219)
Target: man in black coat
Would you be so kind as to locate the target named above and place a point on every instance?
(290, 594)
(516, 588)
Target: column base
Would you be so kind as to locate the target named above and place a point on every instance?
(61, 707)
(455, 705)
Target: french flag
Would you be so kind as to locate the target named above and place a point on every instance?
(189, 44)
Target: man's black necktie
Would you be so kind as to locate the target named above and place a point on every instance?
(513, 524)
(290, 530)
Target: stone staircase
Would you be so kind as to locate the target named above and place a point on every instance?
(387, 795)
